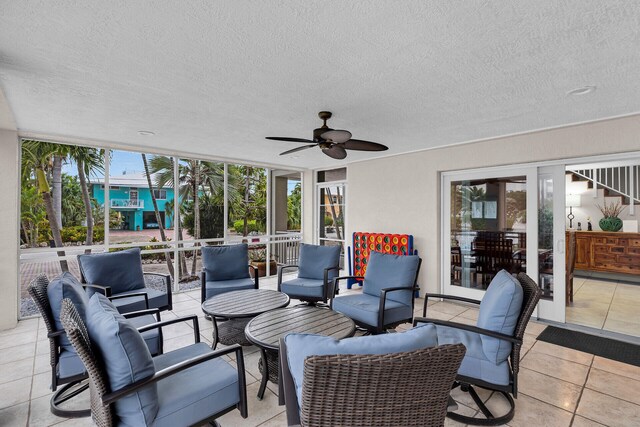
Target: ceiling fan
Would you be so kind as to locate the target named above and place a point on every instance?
(333, 143)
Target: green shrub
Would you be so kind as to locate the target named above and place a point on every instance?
(252, 225)
(78, 233)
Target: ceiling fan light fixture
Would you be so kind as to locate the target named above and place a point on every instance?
(337, 136)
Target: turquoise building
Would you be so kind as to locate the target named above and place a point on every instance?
(129, 195)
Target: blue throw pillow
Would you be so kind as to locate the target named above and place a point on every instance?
(66, 286)
(121, 270)
(301, 346)
(226, 262)
(499, 311)
(314, 259)
(390, 271)
(126, 359)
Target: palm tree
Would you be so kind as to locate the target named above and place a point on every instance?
(157, 212)
(36, 161)
(88, 161)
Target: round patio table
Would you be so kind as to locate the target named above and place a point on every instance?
(238, 308)
(266, 330)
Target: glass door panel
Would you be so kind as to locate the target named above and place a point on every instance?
(331, 206)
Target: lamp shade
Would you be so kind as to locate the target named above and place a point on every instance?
(573, 200)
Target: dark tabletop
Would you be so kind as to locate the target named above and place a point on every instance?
(244, 303)
(267, 329)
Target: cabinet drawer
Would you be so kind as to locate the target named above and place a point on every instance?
(635, 243)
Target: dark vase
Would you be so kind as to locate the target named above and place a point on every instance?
(611, 223)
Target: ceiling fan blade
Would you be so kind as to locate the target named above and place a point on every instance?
(281, 138)
(298, 149)
(335, 151)
(358, 144)
(337, 136)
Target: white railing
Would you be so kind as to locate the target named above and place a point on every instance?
(127, 203)
(624, 180)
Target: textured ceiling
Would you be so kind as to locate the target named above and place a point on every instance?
(216, 77)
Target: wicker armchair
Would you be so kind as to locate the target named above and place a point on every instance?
(468, 376)
(175, 393)
(66, 368)
(398, 389)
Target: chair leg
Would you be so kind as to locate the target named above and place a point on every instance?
(490, 419)
(66, 392)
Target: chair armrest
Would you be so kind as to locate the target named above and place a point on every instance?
(167, 282)
(383, 302)
(139, 313)
(136, 294)
(203, 286)
(470, 328)
(443, 296)
(281, 268)
(335, 286)
(110, 398)
(256, 275)
(326, 282)
(193, 317)
(105, 290)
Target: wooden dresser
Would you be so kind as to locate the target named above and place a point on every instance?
(608, 252)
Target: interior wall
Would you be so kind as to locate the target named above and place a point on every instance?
(9, 189)
(401, 194)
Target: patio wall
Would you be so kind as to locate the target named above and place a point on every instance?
(401, 194)
(9, 193)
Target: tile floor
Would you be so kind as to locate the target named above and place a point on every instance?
(605, 304)
(558, 386)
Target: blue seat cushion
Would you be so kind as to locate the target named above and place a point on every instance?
(152, 337)
(390, 271)
(475, 363)
(314, 259)
(225, 262)
(301, 346)
(122, 270)
(499, 311)
(66, 286)
(70, 365)
(364, 308)
(157, 299)
(219, 287)
(303, 287)
(195, 393)
(126, 359)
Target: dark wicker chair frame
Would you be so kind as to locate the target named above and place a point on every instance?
(532, 295)
(106, 290)
(399, 389)
(74, 385)
(203, 281)
(381, 326)
(102, 398)
(328, 285)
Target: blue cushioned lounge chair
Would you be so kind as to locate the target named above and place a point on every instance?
(317, 267)
(119, 276)
(387, 293)
(493, 346)
(225, 268)
(188, 386)
(67, 370)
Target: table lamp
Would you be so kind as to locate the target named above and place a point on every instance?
(572, 201)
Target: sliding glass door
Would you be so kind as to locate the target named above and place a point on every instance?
(504, 219)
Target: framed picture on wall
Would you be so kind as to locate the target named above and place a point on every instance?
(491, 210)
(476, 209)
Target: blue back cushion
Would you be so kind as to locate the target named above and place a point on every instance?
(499, 312)
(301, 346)
(226, 262)
(390, 271)
(314, 259)
(66, 286)
(121, 270)
(126, 359)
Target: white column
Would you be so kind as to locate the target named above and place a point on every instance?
(10, 191)
(176, 224)
(225, 215)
